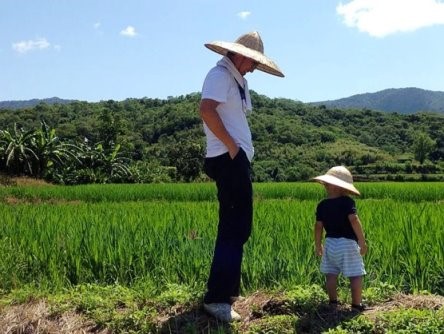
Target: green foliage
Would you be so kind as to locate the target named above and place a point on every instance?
(305, 298)
(126, 256)
(278, 324)
(175, 309)
(379, 293)
(422, 146)
(176, 294)
(411, 321)
(118, 308)
(162, 233)
(293, 141)
(17, 151)
(359, 325)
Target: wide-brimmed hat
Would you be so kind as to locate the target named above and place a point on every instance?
(339, 176)
(249, 45)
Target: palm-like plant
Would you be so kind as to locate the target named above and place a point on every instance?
(51, 151)
(18, 155)
(115, 164)
(110, 163)
(98, 165)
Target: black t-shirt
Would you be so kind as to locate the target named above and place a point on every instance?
(333, 213)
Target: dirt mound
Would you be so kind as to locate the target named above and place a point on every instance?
(35, 317)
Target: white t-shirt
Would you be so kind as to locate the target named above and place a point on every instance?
(220, 85)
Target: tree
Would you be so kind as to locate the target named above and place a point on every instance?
(111, 124)
(423, 145)
(187, 158)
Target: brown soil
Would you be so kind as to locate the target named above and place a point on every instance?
(21, 181)
(11, 200)
(35, 317)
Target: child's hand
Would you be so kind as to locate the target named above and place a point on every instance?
(363, 247)
(319, 250)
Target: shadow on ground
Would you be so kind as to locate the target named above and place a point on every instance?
(259, 310)
(194, 320)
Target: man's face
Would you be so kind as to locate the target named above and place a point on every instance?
(247, 65)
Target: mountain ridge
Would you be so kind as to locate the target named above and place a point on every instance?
(22, 104)
(408, 100)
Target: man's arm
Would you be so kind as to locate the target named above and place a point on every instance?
(211, 118)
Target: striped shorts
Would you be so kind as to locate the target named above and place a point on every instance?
(342, 255)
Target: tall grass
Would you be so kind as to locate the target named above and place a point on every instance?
(66, 244)
(405, 242)
(67, 236)
(406, 192)
(126, 234)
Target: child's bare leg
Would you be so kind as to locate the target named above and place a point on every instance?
(331, 284)
(356, 289)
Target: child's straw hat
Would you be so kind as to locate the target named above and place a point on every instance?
(339, 176)
(249, 45)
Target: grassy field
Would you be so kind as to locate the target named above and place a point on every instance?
(154, 237)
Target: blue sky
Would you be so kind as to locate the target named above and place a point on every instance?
(108, 49)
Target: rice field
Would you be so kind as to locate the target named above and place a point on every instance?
(57, 237)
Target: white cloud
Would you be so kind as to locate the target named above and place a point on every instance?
(98, 28)
(380, 18)
(30, 45)
(129, 31)
(244, 15)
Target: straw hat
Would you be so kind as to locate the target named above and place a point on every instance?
(249, 45)
(339, 176)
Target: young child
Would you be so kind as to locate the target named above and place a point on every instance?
(344, 243)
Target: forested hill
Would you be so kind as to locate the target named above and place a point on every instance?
(155, 140)
(32, 103)
(402, 100)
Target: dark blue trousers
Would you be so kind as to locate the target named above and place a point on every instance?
(235, 195)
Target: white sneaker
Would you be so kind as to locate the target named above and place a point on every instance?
(237, 299)
(222, 311)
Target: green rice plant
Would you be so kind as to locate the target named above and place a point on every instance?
(130, 234)
(92, 193)
(403, 191)
(103, 242)
(281, 250)
(404, 243)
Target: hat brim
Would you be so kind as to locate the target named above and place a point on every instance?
(265, 64)
(337, 182)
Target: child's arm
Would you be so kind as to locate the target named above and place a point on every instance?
(357, 228)
(318, 229)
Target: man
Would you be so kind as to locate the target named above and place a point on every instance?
(224, 107)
